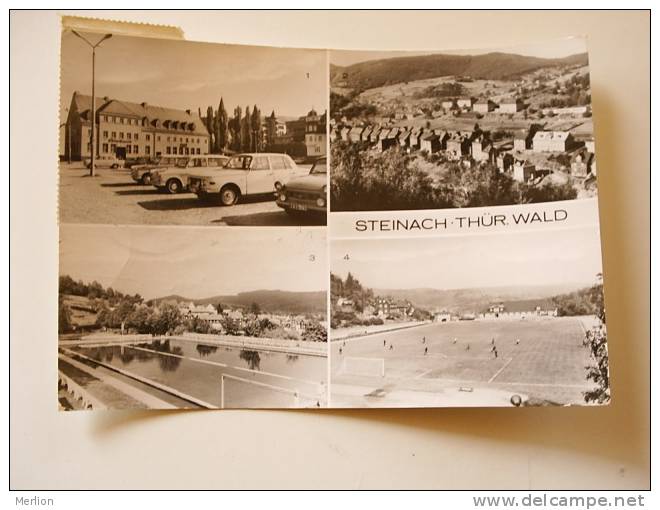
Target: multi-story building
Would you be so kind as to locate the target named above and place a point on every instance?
(128, 130)
(316, 137)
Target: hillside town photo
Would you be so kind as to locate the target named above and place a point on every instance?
(202, 320)
(461, 129)
(190, 133)
(510, 320)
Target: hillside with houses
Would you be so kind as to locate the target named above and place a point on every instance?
(528, 131)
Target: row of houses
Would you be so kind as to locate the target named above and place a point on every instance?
(209, 314)
(510, 155)
(383, 307)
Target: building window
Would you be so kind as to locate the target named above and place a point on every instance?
(128, 135)
(105, 134)
(128, 149)
(167, 150)
(113, 148)
(168, 138)
(105, 147)
(121, 135)
(147, 150)
(135, 136)
(197, 150)
(158, 138)
(148, 137)
(121, 120)
(135, 149)
(114, 135)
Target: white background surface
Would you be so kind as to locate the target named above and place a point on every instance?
(442, 448)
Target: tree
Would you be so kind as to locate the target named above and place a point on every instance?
(64, 324)
(235, 129)
(315, 332)
(219, 308)
(255, 126)
(596, 341)
(255, 309)
(209, 128)
(221, 127)
(246, 135)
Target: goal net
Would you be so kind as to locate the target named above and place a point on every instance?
(239, 392)
(374, 367)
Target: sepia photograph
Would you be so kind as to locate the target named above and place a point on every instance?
(422, 130)
(189, 133)
(512, 319)
(195, 318)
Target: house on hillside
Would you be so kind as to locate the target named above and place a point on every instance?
(365, 136)
(511, 105)
(344, 133)
(465, 103)
(504, 162)
(448, 104)
(345, 305)
(404, 138)
(523, 170)
(415, 138)
(581, 162)
(484, 106)
(355, 134)
(523, 138)
(458, 144)
(482, 149)
(430, 143)
(552, 141)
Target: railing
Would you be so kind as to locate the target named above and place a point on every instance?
(79, 393)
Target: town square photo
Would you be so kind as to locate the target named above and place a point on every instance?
(431, 130)
(191, 133)
(505, 319)
(199, 318)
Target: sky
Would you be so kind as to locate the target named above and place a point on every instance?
(195, 262)
(540, 257)
(188, 75)
(557, 48)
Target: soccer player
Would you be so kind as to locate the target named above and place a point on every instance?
(423, 339)
(426, 351)
(467, 347)
(391, 347)
(455, 340)
(517, 341)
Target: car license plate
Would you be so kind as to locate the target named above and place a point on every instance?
(299, 207)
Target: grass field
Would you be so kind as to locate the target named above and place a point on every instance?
(546, 366)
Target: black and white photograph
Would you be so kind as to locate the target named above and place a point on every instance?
(431, 130)
(189, 133)
(195, 318)
(513, 319)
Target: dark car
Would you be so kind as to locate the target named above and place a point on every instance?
(306, 194)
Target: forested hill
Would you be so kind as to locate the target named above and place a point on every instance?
(490, 66)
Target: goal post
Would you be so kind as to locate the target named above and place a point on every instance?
(293, 397)
(373, 367)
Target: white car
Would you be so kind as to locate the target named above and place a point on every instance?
(245, 174)
(142, 173)
(174, 179)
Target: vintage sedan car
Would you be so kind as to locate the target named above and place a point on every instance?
(174, 179)
(142, 173)
(245, 174)
(306, 194)
(104, 161)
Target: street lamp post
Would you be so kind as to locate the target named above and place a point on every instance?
(92, 170)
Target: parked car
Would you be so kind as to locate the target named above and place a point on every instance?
(244, 174)
(306, 194)
(105, 161)
(174, 178)
(142, 160)
(142, 173)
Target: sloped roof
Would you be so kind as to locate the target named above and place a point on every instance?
(551, 135)
(112, 106)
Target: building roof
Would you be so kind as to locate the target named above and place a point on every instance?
(551, 135)
(110, 106)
